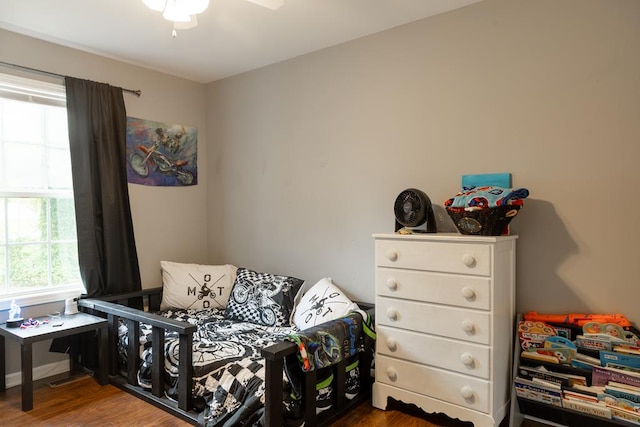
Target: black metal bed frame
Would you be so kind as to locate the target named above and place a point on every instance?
(116, 308)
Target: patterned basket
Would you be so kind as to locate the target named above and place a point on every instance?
(484, 222)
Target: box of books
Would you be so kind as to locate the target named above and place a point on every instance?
(590, 381)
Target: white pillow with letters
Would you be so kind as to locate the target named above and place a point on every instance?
(195, 286)
(324, 301)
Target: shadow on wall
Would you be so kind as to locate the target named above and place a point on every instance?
(443, 220)
(543, 246)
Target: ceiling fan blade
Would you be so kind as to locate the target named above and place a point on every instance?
(269, 4)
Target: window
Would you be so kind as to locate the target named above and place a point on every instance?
(38, 242)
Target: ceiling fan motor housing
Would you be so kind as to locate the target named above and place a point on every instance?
(413, 210)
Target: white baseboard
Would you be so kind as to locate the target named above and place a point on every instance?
(40, 372)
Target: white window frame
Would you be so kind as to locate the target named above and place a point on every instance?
(30, 90)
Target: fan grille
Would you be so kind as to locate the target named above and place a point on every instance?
(410, 208)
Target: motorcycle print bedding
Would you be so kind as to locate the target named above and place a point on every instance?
(229, 370)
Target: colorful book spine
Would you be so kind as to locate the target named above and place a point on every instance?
(602, 375)
(531, 373)
(529, 390)
(594, 409)
(593, 343)
(623, 394)
(624, 415)
(627, 349)
(611, 357)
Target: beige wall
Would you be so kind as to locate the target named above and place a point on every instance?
(310, 153)
(170, 223)
(300, 162)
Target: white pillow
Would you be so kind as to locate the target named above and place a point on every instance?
(321, 303)
(194, 286)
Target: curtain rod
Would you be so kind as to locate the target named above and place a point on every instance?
(49, 73)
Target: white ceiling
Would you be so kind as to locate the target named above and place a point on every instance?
(232, 36)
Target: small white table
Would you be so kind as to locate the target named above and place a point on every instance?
(72, 324)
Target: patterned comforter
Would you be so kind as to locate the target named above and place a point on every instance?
(228, 369)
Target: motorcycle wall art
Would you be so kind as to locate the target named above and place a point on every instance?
(161, 154)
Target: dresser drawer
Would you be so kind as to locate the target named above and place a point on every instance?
(433, 319)
(462, 258)
(462, 291)
(451, 387)
(459, 356)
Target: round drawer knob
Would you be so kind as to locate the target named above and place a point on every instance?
(468, 326)
(467, 360)
(468, 260)
(467, 392)
(392, 344)
(392, 255)
(392, 314)
(468, 293)
(392, 374)
(392, 284)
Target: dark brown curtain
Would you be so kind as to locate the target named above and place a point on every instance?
(97, 135)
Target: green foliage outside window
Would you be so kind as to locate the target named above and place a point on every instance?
(38, 242)
(39, 255)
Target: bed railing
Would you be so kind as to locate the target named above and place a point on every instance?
(274, 361)
(116, 308)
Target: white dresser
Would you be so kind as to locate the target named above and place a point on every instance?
(445, 310)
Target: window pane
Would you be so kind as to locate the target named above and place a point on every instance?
(27, 220)
(3, 271)
(38, 239)
(63, 220)
(22, 121)
(3, 231)
(3, 163)
(27, 266)
(59, 169)
(24, 166)
(56, 127)
(64, 264)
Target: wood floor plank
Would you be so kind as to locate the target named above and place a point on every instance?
(85, 403)
(82, 404)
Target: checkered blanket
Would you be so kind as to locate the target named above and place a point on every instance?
(228, 369)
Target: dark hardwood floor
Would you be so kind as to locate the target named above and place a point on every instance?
(85, 403)
(81, 403)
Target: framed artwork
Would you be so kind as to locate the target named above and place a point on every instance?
(161, 154)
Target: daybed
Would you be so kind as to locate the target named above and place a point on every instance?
(239, 347)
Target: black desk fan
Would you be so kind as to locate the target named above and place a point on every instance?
(413, 211)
